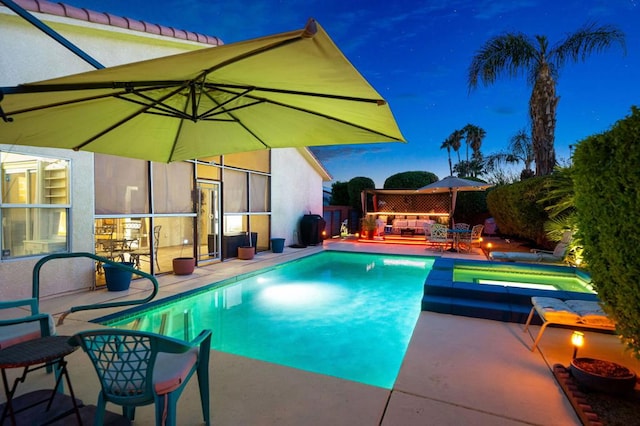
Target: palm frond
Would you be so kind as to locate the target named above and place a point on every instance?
(586, 40)
(511, 54)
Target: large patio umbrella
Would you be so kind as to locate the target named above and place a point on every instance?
(285, 90)
(454, 185)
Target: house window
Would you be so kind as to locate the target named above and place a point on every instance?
(34, 205)
(246, 195)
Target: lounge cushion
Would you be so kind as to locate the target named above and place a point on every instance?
(572, 311)
(555, 310)
(590, 312)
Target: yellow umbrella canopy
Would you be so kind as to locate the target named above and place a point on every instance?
(286, 90)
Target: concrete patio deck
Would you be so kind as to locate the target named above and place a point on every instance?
(457, 370)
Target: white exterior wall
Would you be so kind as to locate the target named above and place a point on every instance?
(296, 190)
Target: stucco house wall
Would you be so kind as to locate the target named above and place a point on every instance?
(30, 55)
(296, 190)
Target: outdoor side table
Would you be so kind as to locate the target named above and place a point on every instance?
(34, 355)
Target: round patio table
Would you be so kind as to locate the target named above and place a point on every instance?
(42, 352)
(455, 241)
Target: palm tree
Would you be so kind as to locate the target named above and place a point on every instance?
(520, 150)
(447, 144)
(514, 53)
(474, 135)
(456, 141)
(453, 141)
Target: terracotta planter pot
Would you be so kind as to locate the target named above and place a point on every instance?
(603, 376)
(246, 253)
(184, 265)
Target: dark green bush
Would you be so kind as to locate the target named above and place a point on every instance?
(339, 194)
(409, 180)
(517, 210)
(607, 185)
(471, 206)
(355, 187)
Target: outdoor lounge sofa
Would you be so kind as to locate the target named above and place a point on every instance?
(578, 313)
(416, 225)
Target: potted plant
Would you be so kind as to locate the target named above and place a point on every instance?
(118, 278)
(184, 265)
(247, 252)
(603, 376)
(369, 225)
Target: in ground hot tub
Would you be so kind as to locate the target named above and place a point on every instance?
(499, 291)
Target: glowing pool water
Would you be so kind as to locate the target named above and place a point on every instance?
(348, 315)
(543, 277)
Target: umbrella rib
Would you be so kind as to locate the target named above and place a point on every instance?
(215, 110)
(75, 101)
(124, 120)
(128, 86)
(255, 52)
(329, 117)
(157, 104)
(258, 100)
(221, 86)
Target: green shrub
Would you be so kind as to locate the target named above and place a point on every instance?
(607, 181)
(517, 210)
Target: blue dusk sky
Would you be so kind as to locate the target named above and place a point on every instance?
(416, 54)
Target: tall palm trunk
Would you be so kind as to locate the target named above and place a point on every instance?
(542, 109)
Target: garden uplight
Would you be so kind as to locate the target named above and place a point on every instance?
(577, 340)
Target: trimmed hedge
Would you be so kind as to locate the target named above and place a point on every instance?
(607, 197)
(517, 212)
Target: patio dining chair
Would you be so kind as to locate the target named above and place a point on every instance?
(145, 254)
(438, 236)
(476, 234)
(466, 240)
(138, 368)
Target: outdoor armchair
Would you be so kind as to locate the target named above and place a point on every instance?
(138, 368)
(24, 327)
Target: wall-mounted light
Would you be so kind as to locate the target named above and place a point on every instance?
(577, 340)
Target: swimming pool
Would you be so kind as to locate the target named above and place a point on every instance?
(348, 315)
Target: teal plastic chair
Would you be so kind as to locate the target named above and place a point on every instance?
(139, 368)
(25, 327)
